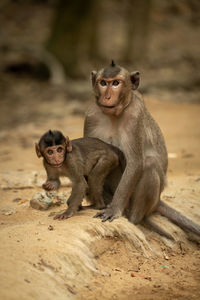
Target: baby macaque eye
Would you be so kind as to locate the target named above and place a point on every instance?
(116, 83)
(50, 152)
(60, 149)
(103, 83)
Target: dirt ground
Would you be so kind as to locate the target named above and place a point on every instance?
(81, 258)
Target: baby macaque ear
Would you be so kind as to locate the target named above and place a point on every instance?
(37, 150)
(68, 144)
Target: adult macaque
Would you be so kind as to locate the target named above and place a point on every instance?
(119, 117)
(87, 162)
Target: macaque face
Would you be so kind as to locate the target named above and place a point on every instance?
(112, 86)
(109, 91)
(55, 155)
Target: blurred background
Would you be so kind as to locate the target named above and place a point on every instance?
(49, 47)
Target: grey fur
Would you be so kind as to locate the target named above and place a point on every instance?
(111, 71)
(136, 191)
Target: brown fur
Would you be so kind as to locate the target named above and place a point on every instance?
(87, 162)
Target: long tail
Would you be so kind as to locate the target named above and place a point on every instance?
(158, 229)
(177, 218)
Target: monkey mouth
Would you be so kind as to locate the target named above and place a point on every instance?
(107, 106)
(55, 165)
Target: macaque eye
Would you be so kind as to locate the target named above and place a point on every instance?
(116, 83)
(60, 149)
(103, 83)
(50, 152)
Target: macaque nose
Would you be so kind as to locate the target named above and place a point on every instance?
(56, 158)
(108, 94)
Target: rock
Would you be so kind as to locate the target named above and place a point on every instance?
(44, 200)
(8, 212)
(41, 201)
(17, 199)
(50, 227)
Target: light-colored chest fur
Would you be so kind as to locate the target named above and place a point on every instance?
(108, 131)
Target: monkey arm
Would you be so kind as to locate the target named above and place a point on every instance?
(129, 179)
(87, 125)
(132, 149)
(52, 182)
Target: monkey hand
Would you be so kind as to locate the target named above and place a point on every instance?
(50, 185)
(67, 214)
(110, 213)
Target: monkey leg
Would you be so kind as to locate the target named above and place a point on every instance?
(110, 184)
(97, 178)
(147, 193)
(78, 192)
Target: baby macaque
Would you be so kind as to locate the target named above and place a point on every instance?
(86, 161)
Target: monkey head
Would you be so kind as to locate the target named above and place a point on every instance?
(112, 87)
(53, 146)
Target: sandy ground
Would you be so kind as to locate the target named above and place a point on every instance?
(81, 258)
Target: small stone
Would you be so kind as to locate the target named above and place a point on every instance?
(8, 212)
(50, 227)
(26, 280)
(165, 267)
(23, 201)
(156, 286)
(41, 201)
(17, 199)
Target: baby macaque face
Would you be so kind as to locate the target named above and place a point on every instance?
(55, 155)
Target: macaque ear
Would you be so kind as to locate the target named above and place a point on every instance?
(135, 79)
(93, 77)
(37, 150)
(68, 144)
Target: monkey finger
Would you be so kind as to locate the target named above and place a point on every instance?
(59, 217)
(63, 217)
(48, 186)
(112, 218)
(105, 218)
(99, 214)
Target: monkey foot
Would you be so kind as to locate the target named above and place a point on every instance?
(65, 215)
(107, 214)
